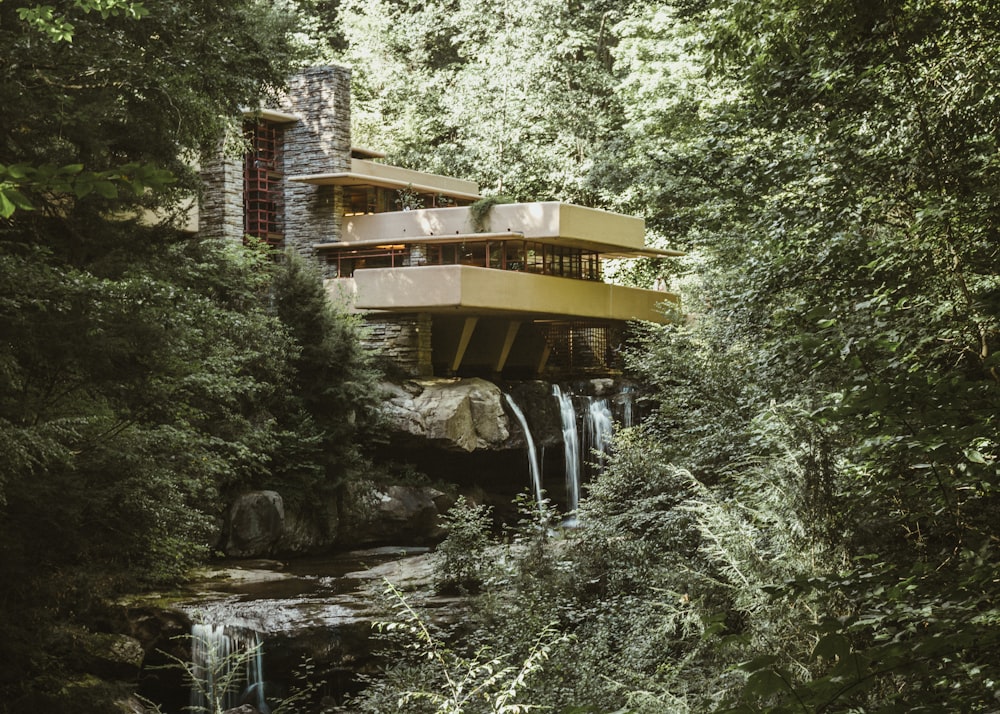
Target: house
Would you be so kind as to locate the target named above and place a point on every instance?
(446, 289)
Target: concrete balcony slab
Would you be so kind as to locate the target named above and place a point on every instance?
(467, 290)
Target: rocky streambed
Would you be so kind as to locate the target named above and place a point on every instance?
(314, 608)
(312, 617)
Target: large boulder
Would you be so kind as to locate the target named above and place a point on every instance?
(254, 525)
(107, 656)
(391, 514)
(114, 656)
(258, 525)
(312, 530)
(453, 414)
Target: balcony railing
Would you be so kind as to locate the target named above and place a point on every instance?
(551, 222)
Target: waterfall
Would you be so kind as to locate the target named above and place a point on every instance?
(627, 399)
(227, 668)
(597, 429)
(533, 466)
(571, 447)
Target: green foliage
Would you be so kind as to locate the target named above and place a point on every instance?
(124, 106)
(130, 400)
(53, 182)
(333, 403)
(479, 211)
(451, 683)
(850, 272)
(139, 368)
(408, 200)
(519, 98)
(46, 20)
(132, 392)
(806, 522)
(463, 554)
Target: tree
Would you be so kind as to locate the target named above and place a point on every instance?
(517, 97)
(137, 362)
(131, 95)
(331, 408)
(855, 267)
(807, 522)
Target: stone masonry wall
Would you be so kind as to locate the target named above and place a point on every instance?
(403, 340)
(221, 211)
(320, 142)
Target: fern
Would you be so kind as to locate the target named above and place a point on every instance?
(484, 682)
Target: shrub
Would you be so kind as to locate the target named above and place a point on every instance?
(462, 562)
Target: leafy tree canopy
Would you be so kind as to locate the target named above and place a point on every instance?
(807, 521)
(143, 372)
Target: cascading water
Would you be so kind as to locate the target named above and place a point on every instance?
(571, 447)
(627, 400)
(597, 430)
(227, 665)
(533, 465)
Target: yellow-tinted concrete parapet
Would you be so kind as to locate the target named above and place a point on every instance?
(368, 173)
(462, 289)
(562, 223)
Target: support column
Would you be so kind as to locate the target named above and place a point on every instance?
(222, 202)
(544, 359)
(424, 330)
(468, 327)
(508, 341)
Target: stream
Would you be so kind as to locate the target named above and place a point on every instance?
(258, 626)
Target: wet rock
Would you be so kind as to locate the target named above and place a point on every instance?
(115, 656)
(106, 656)
(311, 610)
(255, 524)
(387, 514)
(132, 705)
(541, 410)
(163, 633)
(456, 414)
(312, 531)
(242, 709)
(259, 525)
(78, 694)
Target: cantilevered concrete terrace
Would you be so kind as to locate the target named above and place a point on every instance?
(468, 290)
(368, 173)
(609, 234)
(522, 287)
(537, 261)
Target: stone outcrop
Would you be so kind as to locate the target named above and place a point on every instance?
(393, 514)
(259, 524)
(452, 414)
(255, 524)
(113, 656)
(457, 431)
(320, 611)
(312, 532)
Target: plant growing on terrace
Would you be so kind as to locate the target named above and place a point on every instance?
(479, 212)
(409, 200)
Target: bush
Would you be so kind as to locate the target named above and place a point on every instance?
(462, 561)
